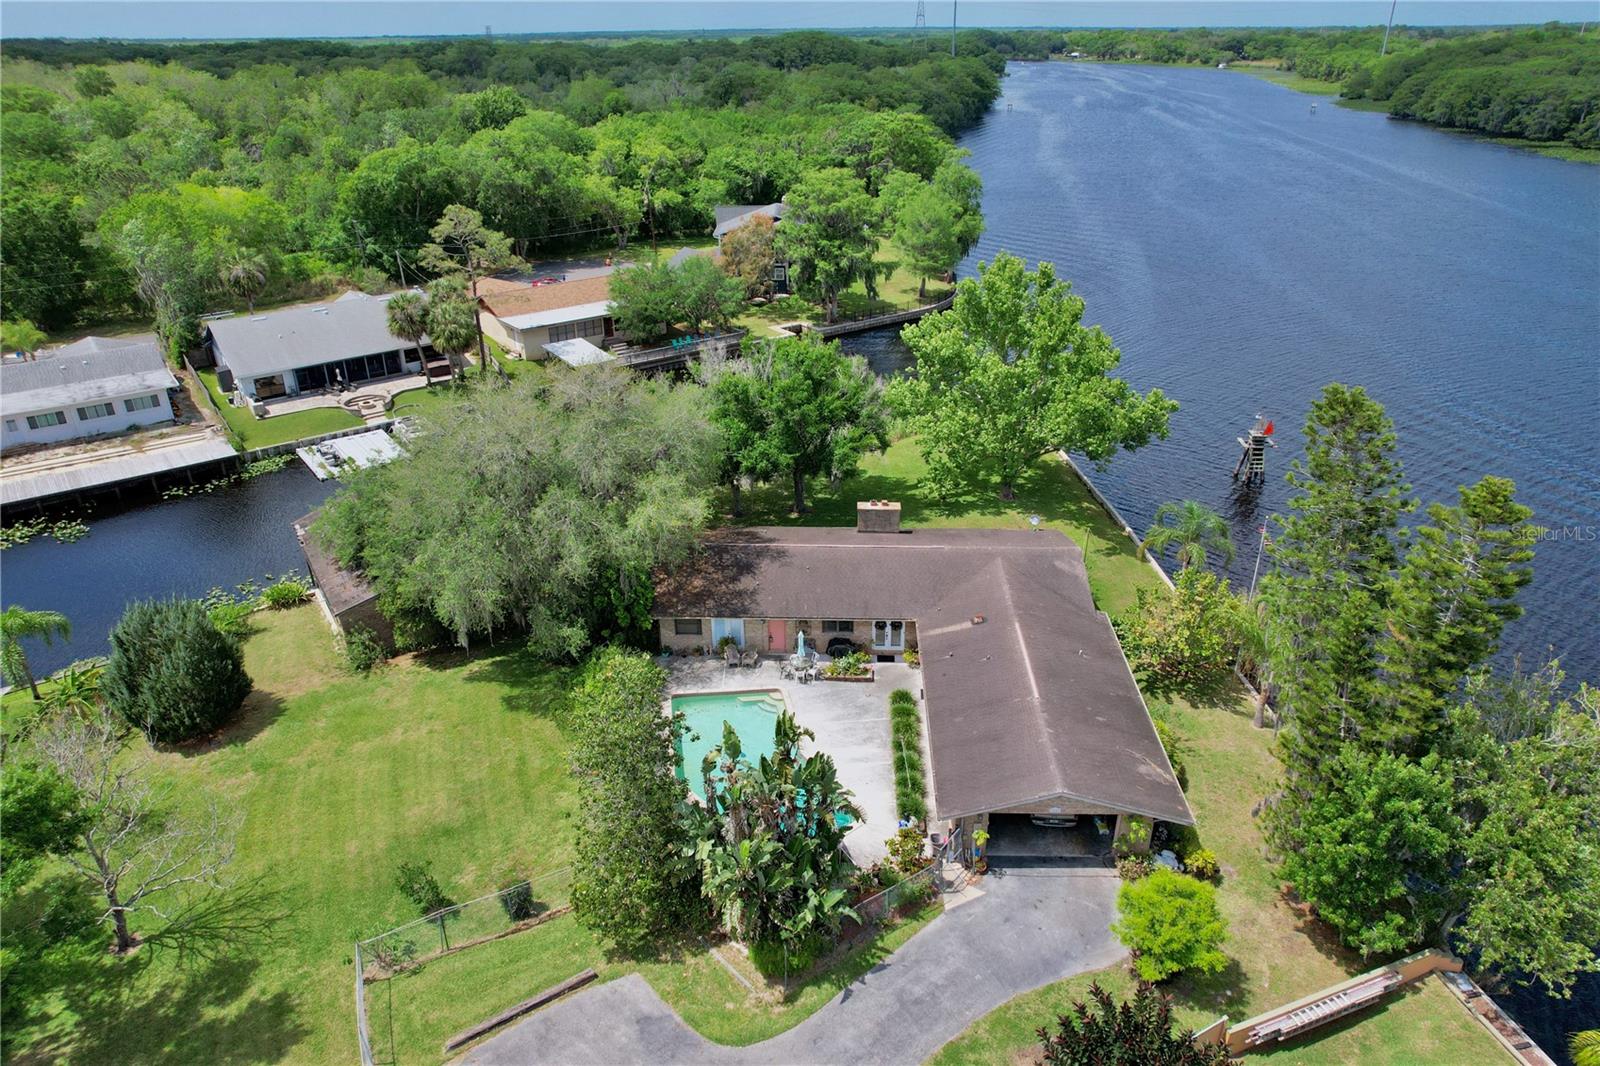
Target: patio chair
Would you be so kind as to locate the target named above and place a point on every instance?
(750, 658)
(730, 657)
(785, 669)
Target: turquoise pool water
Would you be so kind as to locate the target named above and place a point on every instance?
(752, 715)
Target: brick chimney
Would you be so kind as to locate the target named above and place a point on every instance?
(877, 516)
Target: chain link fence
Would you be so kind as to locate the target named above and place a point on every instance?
(451, 929)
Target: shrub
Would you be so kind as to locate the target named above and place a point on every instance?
(1133, 867)
(772, 958)
(1138, 1031)
(286, 592)
(906, 851)
(1189, 636)
(1172, 921)
(173, 674)
(417, 883)
(913, 658)
(362, 649)
(725, 643)
(517, 901)
(1175, 753)
(1202, 863)
(902, 697)
(852, 664)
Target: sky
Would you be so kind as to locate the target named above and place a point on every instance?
(212, 19)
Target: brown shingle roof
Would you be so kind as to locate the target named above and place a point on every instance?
(529, 299)
(1035, 702)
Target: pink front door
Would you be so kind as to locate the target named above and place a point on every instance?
(777, 634)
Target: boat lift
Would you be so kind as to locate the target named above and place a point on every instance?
(1253, 457)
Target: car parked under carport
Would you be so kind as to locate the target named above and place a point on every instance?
(1014, 837)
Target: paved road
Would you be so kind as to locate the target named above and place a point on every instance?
(1032, 926)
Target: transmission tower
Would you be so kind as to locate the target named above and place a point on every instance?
(922, 15)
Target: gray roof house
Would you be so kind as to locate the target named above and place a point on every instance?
(88, 388)
(1031, 708)
(311, 347)
(732, 216)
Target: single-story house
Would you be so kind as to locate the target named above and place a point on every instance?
(730, 217)
(347, 600)
(1031, 708)
(88, 388)
(523, 320)
(311, 347)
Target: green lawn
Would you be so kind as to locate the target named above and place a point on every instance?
(1289, 79)
(1049, 489)
(458, 761)
(897, 290)
(252, 432)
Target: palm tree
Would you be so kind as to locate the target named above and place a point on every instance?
(408, 319)
(17, 623)
(452, 320)
(245, 274)
(1586, 1048)
(1193, 528)
(77, 690)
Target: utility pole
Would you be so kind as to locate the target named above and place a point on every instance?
(1385, 49)
(953, 6)
(922, 15)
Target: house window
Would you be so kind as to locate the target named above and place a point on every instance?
(780, 272)
(686, 627)
(564, 332)
(141, 403)
(839, 625)
(99, 410)
(49, 418)
(11, 425)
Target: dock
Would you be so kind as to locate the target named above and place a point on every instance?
(333, 457)
(879, 320)
(126, 467)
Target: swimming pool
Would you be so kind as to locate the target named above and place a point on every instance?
(752, 715)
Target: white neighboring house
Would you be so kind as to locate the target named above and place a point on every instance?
(310, 348)
(524, 318)
(89, 388)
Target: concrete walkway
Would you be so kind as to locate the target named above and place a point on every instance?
(1030, 927)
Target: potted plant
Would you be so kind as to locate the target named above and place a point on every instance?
(980, 862)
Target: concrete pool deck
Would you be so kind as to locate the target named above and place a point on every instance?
(851, 723)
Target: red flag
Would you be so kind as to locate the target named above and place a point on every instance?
(1267, 430)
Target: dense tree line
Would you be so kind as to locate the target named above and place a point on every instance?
(184, 178)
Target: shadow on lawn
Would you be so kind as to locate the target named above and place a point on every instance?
(256, 715)
(126, 1014)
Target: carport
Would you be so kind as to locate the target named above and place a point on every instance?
(1015, 837)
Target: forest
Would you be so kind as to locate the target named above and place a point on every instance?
(181, 179)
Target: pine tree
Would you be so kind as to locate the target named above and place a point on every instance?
(1333, 559)
(1447, 606)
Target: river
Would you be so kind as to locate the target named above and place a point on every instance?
(1243, 251)
(183, 547)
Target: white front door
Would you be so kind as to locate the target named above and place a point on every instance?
(727, 627)
(888, 635)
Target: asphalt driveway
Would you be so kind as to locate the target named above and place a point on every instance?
(1031, 926)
